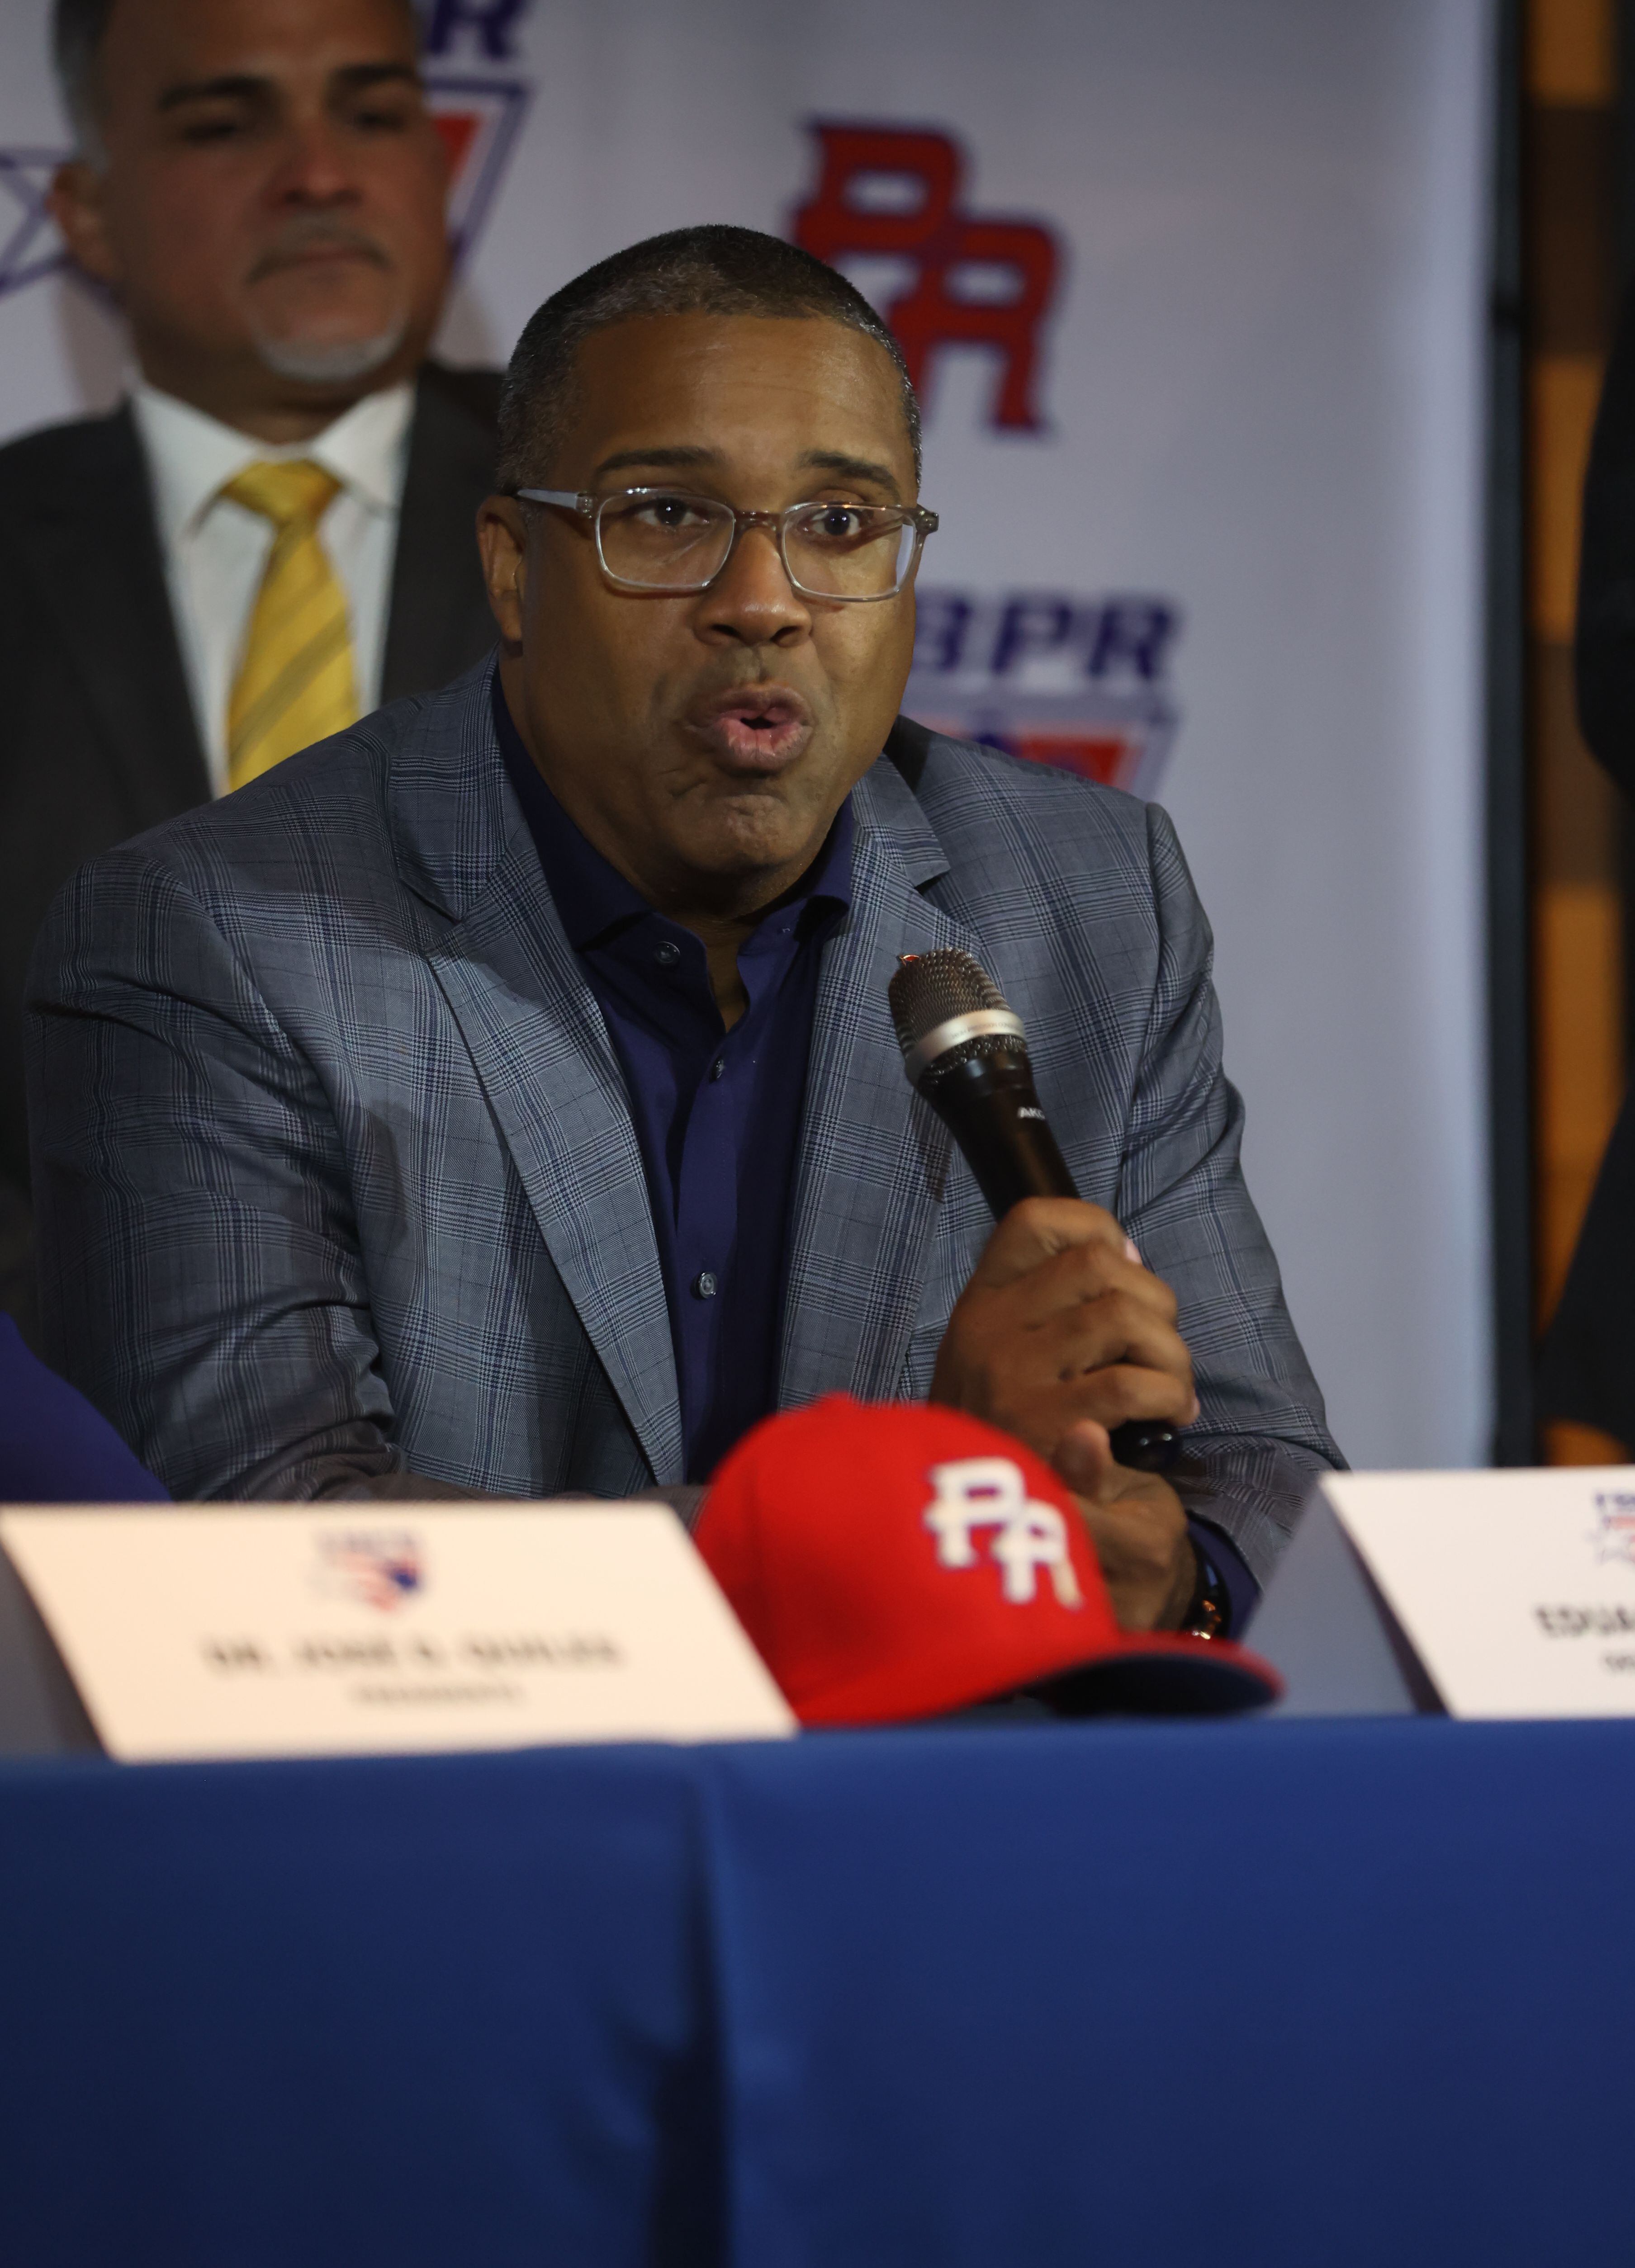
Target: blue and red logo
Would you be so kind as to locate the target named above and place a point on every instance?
(1083, 683)
(375, 1567)
(1614, 1536)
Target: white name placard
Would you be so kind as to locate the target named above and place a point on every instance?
(1506, 1593)
(308, 1630)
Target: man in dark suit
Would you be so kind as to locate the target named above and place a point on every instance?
(274, 532)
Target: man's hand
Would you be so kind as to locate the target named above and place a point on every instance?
(1061, 1334)
(1138, 1526)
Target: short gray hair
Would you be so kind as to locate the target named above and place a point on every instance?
(709, 270)
(79, 29)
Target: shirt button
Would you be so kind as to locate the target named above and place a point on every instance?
(666, 954)
(703, 1286)
(717, 1067)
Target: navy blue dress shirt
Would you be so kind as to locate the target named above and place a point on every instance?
(717, 1113)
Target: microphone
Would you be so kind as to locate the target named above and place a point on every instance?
(964, 1050)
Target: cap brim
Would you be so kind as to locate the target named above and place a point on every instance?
(1143, 1673)
(1161, 1674)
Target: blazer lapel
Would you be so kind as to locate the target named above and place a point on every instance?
(95, 549)
(542, 1055)
(873, 1157)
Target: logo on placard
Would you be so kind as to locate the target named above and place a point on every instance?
(380, 1567)
(1614, 1533)
(989, 1492)
(894, 200)
(477, 112)
(1083, 683)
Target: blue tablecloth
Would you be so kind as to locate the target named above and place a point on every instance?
(442, 2011)
(1296, 1993)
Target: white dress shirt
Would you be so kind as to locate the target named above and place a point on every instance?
(215, 551)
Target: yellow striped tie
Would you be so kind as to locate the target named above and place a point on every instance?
(295, 683)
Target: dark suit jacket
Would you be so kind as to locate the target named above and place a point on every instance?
(97, 735)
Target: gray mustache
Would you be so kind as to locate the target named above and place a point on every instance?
(317, 235)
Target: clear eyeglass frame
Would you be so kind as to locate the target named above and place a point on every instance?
(909, 517)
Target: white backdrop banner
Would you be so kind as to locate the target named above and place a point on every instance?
(1194, 291)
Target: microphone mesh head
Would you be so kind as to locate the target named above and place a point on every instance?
(931, 988)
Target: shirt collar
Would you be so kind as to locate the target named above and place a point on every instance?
(590, 896)
(192, 455)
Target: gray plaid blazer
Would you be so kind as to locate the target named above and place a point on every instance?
(336, 1177)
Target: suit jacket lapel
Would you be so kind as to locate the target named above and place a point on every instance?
(96, 550)
(541, 1052)
(873, 1157)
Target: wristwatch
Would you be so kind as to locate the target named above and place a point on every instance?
(1209, 1610)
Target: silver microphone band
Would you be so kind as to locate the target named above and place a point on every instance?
(981, 1024)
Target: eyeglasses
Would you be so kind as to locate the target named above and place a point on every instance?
(664, 539)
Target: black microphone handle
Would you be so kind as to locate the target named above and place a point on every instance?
(989, 1103)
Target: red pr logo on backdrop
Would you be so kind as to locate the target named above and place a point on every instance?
(898, 192)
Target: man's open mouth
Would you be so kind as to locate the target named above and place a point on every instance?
(762, 726)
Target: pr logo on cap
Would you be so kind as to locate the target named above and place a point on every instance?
(979, 1492)
(891, 1561)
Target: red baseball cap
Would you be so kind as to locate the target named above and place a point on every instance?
(891, 1560)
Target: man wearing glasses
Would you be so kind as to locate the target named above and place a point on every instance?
(503, 1098)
